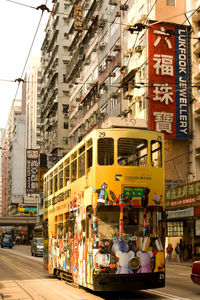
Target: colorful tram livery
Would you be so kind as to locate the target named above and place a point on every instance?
(104, 212)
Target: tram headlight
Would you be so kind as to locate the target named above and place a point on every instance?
(161, 276)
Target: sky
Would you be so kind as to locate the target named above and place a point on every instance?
(18, 25)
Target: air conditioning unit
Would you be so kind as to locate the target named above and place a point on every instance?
(139, 48)
(101, 69)
(142, 18)
(124, 7)
(109, 58)
(129, 52)
(114, 95)
(88, 62)
(112, 74)
(102, 46)
(118, 14)
(138, 98)
(66, 115)
(113, 2)
(102, 21)
(116, 48)
(128, 95)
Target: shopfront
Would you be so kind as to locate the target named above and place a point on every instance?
(183, 218)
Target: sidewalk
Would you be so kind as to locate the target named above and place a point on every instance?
(181, 263)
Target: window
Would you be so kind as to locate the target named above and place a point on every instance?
(74, 170)
(132, 152)
(60, 179)
(156, 154)
(175, 228)
(50, 186)
(89, 158)
(66, 125)
(105, 151)
(56, 182)
(171, 3)
(108, 222)
(81, 163)
(67, 178)
(115, 25)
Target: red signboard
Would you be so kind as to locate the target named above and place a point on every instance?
(168, 79)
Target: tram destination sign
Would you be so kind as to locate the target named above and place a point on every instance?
(130, 191)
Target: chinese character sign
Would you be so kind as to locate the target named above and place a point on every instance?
(32, 171)
(168, 79)
(78, 18)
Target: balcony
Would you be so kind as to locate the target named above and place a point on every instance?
(197, 75)
(196, 47)
(196, 16)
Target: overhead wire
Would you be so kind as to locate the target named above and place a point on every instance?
(29, 52)
(106, 20)
(53, 13)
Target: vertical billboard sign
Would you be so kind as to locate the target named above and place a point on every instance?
(32, 163)
(169, 79)
(78, 18)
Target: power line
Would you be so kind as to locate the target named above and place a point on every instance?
(44, 7)
(24, 64)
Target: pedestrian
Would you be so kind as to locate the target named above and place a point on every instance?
(178, 251)
(169, 250)
(182, 250)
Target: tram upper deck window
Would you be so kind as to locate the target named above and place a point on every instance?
(105, 151)
(132, 152)
(156, 154)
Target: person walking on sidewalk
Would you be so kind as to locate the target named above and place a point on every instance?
(169, 251)
(177, 250)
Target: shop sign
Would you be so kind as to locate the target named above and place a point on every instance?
(197, 227)
(169, 61)
(197, 211)
(181, 213)
(41, 173)
(32, 164)
(183, 195)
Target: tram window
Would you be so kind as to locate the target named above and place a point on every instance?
(74, 170)
(105, 151)
(131, 221)
(81, 165)
(156, 154)
(50, 183)
(108, 221)
(132, 152)
(56, 182)
(89, 158)
(60, 179)
(67, 179)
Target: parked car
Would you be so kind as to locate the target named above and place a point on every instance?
(7, 240)
(37, 246)
(195, 276)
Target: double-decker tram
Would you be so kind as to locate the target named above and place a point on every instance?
(104, 212)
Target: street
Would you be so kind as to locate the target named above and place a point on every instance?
(22, 277)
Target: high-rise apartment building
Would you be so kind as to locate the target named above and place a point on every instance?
(33, 104)
(16, 156)
(54, 90)
(194, 7)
